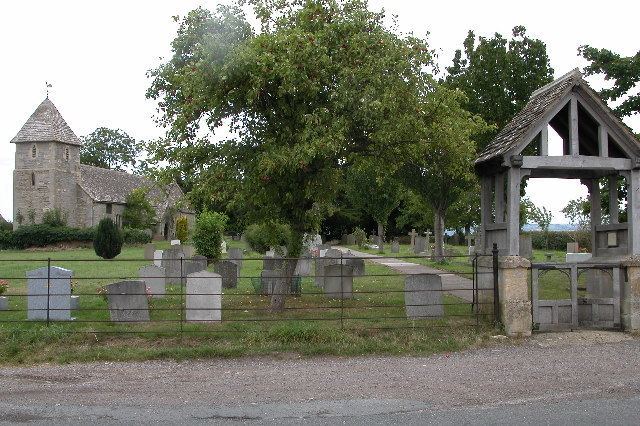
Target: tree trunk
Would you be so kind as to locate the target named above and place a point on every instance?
(438, 231)
(380, 237)
(283, 285)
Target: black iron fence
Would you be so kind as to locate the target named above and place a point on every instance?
(348, 292)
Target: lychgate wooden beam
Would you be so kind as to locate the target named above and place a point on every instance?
(576, 162)
(499, 197)
(633, 202)
(613, 199)
(513, 212)
(544, 141)
(573, 127)
(603, 141)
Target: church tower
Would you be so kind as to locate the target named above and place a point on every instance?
(47, 167)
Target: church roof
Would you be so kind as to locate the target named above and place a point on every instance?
(46, 125)
(113, 186)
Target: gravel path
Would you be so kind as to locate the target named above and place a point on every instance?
(451, 283)
(548, 368)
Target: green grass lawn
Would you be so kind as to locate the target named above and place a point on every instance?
(374, 321)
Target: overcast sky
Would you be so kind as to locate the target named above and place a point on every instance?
(96, 55)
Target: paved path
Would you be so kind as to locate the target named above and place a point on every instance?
(535, 382)
(454, 284)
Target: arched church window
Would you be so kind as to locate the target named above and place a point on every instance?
(33, 179)
(33, 151)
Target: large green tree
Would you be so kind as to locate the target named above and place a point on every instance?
(322, 83)
(109, 149)
(623, 71)
(498, 76)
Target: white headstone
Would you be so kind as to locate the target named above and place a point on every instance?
(175, 242)
(223, 247)
(204, 297)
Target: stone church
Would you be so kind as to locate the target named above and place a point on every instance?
(48, 175)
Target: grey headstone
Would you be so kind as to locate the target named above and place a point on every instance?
(149, 249)
(229, 272)
(423, 296)
(196, 264)
(395, 247)
(235, 255)
(173, 263)
(4, 303)
(351, 239)
(338, 281)
(273, 262)
(204, 297)
(572, 248)
(155, 278)
(303, 268)
(356, 263)
(189, 251)
(269, 279)
(128, 301)
(157, 257)
(59, 294)
(75, 303)
(526, 246)
(420, 245)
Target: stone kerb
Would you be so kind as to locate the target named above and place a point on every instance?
(204, 297)
(630, 295)
(128, 301)
(49, 290)
(513, 287)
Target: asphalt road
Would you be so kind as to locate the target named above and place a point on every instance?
(568, 378)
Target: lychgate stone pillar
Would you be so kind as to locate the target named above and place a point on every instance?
(515, 304)
(630, 295)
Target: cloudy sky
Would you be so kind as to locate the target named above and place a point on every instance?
(96, 55)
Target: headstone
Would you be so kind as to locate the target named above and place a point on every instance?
(58, 293)
(526, 246)
(269, 280)
(272, 262)
(343, 239)
(471, 245)
(577, 257)
(157, 257)
(572, 248)
(413, 234)
(196, 264)
(75, 303)
(357, 264)
(427, 244)
(223, 247)
(270, 253)
(175, 242)
(173, 263)
(423, 296)
(204, 297)
(419, 245)
(235, 255)
(4, 303)
(338, 281)
(229, 272)
(189, 251)
(149, 250)
(395, 247)
(128, 301)
(155, 279)
(303, 267)
(351, 240)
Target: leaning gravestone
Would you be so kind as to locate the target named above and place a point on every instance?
(128, 301)
(196, 264)
(395, 247)
(235, 255)
(204, 297)
(155, 279)
(58, 293)
(229, 272)
(157, 257)
(338, 281)
(173, 263)
(423, 296)
(420, 245)
(188, 251)
(149, 250)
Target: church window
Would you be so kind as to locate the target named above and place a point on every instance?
(33, 151)
(66, 154)
(109, 208)
(33, 179)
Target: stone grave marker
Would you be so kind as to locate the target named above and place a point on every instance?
(58, 294)
(395, 247)
(155, 279)
(573, 248)
(128, 301)
(149, 250)
(419, 245)
(157, 257)
(235, 255)
(413, 234)
(272, 262)
(204, 297)
(173, 263)
(351, 239)
(229, 272)
(526, 246)
(303, 267)
(196, 264)
(268, 280)
(338, 281)
(357, 264)
(189, 251)
(175, 242)
(223, 247)
(75, 303)
(423, 296)
(427, 245)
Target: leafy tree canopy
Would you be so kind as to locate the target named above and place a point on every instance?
(623, 71)
(138, 212)
(499, 75)
(109, 149)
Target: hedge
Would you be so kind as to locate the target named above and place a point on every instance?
(558, 240)
(41, 235)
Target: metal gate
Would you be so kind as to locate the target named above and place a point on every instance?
(596, 305)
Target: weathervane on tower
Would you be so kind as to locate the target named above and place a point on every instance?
(47, 87)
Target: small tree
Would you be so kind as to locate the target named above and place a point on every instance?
(543, 218)
(207, 235)
(138, 212)
(108, 240)
(182, 229)
(577, 211)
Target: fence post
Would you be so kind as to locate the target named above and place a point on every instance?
(48, 287)
(341, 291)
(496, 292)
